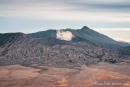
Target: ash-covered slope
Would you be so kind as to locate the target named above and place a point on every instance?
(53, 52)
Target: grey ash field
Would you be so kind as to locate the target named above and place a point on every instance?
(63, 58)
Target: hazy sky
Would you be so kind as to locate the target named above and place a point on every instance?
(38, 15)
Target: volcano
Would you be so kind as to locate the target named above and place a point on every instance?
(61, 48)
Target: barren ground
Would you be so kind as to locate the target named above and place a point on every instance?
(101, 75)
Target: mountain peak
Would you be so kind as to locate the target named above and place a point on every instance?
(85, 27)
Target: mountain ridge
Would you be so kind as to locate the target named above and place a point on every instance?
(10, 37)
(85, 32)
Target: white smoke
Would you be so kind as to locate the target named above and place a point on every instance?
(64, 35)
(122, 40)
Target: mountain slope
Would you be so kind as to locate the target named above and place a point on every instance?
(125, 50)
(7, 39)
(92, 35)
(11, 37)
(54, 52)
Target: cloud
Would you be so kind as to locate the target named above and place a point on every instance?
(122, 40)
(64, 35)
(81, 10)
(63, 13)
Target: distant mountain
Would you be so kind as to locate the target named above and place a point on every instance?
(85, 33)
(53, 52)
(62, 48)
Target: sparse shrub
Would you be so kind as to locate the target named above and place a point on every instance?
(105, 60)
(100, 59)
(42, 70)
(70, 61)
(99, 56)
(112, 61)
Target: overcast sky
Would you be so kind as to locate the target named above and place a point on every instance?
(37, 15)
